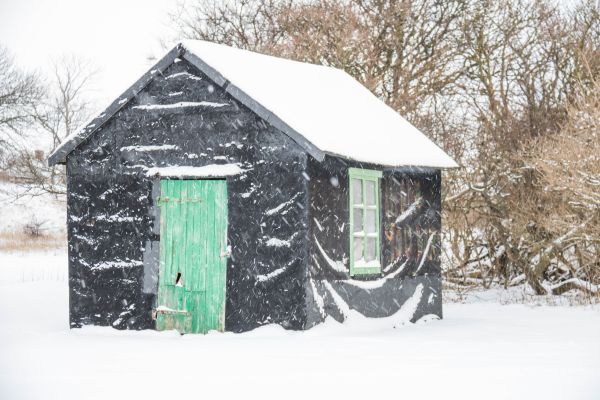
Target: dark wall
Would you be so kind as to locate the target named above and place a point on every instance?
(410, 269)
(112, 221)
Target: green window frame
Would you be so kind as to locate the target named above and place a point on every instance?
(365, 231)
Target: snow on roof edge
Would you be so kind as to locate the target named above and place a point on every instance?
(452, 165)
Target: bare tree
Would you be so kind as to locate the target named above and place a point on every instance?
(497, 83)
(409, 53)
(527, 64)
(68, 105)
(19, 92)
(569, 168)
(64, 109)
(248, 24)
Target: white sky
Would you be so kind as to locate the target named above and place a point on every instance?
(116, 36)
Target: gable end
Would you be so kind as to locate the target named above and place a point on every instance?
(59, 156)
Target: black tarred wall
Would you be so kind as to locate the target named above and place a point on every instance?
(288, 217)
(411, 272)
(113, 236)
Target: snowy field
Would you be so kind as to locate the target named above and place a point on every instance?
(481, 350)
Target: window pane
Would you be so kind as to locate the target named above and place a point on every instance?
(371, 221)
(371, 249)
(357, 191)
(370, 188)
(358, 220)
(358, 249)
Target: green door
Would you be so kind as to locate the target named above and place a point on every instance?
(193, 247)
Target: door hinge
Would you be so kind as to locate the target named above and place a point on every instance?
(163, 200)
(166, 310)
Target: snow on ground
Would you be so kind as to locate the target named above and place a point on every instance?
(519, 294)
(481, 349)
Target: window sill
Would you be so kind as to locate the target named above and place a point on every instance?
(365, 270)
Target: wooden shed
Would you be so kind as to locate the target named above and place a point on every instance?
(228, 189)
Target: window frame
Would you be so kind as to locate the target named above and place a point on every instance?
(365, 175)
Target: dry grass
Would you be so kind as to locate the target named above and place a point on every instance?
(20, 241)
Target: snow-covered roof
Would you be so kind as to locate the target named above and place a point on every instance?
(322, 108)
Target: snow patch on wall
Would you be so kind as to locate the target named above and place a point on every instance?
(274, 242)
(431, 298)
(375, 284)
(337, 299)
(271, 275)
(336, 265)
(85, 239)
(410, 211)
(405, 313)
(425, 252)
(150, 147)
(282, 206)
(409, 307)
(184, 74)
(318, 299)
(212, 170)
(116, 264)
(253, 188)
(181, 104)
(117, 218)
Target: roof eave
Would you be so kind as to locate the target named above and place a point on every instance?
(398, 166)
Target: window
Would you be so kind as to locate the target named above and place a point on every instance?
(410, 220)
(364, 222)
